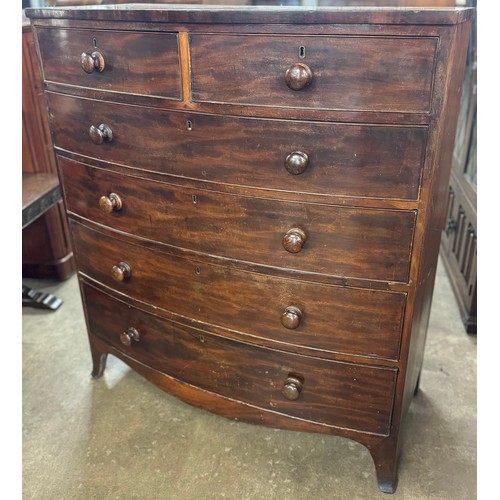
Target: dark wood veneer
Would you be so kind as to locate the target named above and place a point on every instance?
(279, 209)
(226, 14)
(344, 159)
(136, 63)
(335, 394)
(248, 228)
(348, 73)
(336, 319)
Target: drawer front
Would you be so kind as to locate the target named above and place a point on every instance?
(333, 393)
(340, 241)
(340, 159)
(134, 62)
(366, 73)
(330, 318)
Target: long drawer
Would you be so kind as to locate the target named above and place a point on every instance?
(135, 62)
(356, 73)
(311, 157)
(333, 393)
(341, 241)
(323, 317)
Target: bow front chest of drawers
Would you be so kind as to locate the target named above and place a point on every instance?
(256, 197)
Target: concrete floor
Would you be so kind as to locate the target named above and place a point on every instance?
(119, 437)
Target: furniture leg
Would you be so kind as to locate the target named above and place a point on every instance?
(99, 358)
(385, 456)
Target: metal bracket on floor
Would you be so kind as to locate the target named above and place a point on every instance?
(40, 300)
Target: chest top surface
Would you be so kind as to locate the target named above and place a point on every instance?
(256, 14)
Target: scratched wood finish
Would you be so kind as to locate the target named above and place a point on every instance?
(335, 319)
(344, 159)
(396, 72)
(246, 228)
(266, 15)
(334, 393)
(135, 62)
(349, 73)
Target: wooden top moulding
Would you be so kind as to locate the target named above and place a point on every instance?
(256, 14)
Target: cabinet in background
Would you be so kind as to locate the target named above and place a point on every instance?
(459, 235)
(47, 250)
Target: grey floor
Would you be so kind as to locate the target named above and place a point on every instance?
(119, 437)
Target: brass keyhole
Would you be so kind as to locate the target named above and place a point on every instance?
(302, 52)
(94, 42)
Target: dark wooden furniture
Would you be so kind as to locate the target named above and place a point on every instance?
(256, 199)
(40, 193)
(47, 251)
(459, 236)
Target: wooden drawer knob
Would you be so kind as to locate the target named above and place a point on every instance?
(121, 271)
(100, 134)
(294, 240)
(92, 62)
(111, 203)
(291, 389)
(296, 162)
(298, 76)
(130, 335)
(291, 317)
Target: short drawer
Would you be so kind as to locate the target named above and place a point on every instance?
(290, 312)
(333, 393)
(355, 73)
(284, 155)
(335, 240)
(135, 62)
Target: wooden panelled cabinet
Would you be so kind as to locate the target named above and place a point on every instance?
(459, 236)
(256, 197)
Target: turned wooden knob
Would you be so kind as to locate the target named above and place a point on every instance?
(130, 335)
(294, 240)
(111, 203)
(121, 271)
(291, 389)
(296, 162)
(298, 76)
(291, 317)
(92, 62)
(101, 133)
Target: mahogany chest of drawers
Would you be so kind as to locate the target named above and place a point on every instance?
(255, 197)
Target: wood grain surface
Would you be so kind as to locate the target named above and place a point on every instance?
(336, 394)
(341, 241)
(226, 14)
(349, 73)
(335, 319)
(344, 159)
(135, 62)
(257, 231)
